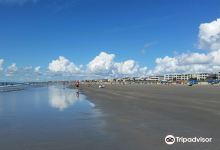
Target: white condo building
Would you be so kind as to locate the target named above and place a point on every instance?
(202, 76)
(198, 76)
(177, 76)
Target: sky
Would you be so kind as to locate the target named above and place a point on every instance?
(85, 39)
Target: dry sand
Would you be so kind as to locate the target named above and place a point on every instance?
(138, 117)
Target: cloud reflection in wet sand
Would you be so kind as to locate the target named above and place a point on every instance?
(63, 98)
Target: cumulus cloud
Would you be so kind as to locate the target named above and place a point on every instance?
(37, 69)
(189, 63)
(126, 67)
(1, 64)
(63, 65)
(184, 63)
(104, 64)
(11, 70)
(209, 39)
(209, 35)
(194, 58)
(28, 73)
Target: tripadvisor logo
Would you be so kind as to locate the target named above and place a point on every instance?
(170, 139)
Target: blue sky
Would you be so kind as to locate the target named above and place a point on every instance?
(35, 32)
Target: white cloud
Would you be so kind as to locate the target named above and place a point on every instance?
(209, 39)
(104, 64)
(209, 35)
(188, 63)
(216, 57)
(11, 70)
(195, 58)
(63, 65)
(37, 69)
(126, 67)
(1, 64)
(166, 64)
(27, 73)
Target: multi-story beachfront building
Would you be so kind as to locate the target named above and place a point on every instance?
(168, 77)
(177, 77)
(202, 76)
(218, 76)
(155, 78)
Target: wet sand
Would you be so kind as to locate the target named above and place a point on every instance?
(138, 117)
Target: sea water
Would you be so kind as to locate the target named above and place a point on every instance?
(49, 118)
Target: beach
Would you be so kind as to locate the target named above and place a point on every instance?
(140, 116)
(117, 117)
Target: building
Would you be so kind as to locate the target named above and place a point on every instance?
(156, 78)
(202, 76)
(178, 77)
(219, 76)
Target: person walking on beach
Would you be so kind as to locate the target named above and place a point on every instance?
(77, 86)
